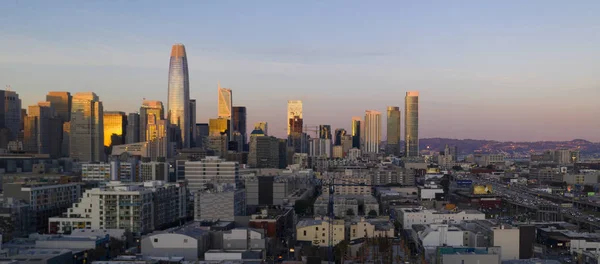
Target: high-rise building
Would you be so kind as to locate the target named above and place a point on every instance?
(372, 131)
(325, 131)
(148, 107)
(218, 126)
(239, 123)
(61, 102)
(192, 122)
(87, 128)
(179, 94)
(115, 126)
(66, 139)
(294, 117)
(262, 126)
(411, 124)
(158, 137)
(339, 134)
(225, 105)
(132, 135)
(356, 132)
(10, 115)
(201, 134)
(264, 151)
(43, 130)
(211, 170)
(320, 148)
(393, 130)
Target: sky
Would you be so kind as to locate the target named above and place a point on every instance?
(503, 70)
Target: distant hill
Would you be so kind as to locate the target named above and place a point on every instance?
(468, 146)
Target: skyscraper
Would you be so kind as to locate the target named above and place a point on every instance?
(393, 130)
(411, 124)
(10, 114)
(149, 107)
(61, 102)
(356, 132)
(192, 122)
(179, 94)
(133, 128)
(239, 123)
(201, 134)
(325, 131)
(262, 126)
(87, 128)
(115, 127)
(339, 134)
(225, 106)
(218, 126)
(294, 117)
(372, 131)
(42, 130)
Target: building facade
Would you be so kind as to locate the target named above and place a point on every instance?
(411, 124)
(211, 170)
(393, 130)
(87, 128)
(115, 128)
(179, 94)
(372, 131)
(132, 133)
(294, 119)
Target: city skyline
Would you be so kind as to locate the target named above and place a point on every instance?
(473, 78)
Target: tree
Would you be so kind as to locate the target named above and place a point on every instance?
(372, 213)
(350, 212)
(340, 249)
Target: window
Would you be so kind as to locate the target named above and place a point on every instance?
(323, 234)
(304, 232)
(185, 240)
(155, 240)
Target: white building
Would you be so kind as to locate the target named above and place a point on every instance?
(437, 235)
(139, 207)
(219, 205)
(211, 170)
(189, 241)
(411, 216)
(372, 131)
(428, 192)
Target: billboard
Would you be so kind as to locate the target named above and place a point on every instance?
(464, 183)
(482, 189)
(591, 193)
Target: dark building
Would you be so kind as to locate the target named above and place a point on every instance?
(295, 125)
(283, 153)
(202, 134)
(239, 120)
(356, 134)
(339, 134)
(325, 131)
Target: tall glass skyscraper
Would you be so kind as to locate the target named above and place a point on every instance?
(179, 94)
(393, 130)
(356, 129)
(372, 131)
(411, 124)
(87, 128)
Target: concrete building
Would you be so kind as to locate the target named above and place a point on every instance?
(211, 170)
(316, 231)
(319, 147)
(237, 244)
(15, 216)
(222, 205)
(139, 207)
(342, 204)
(62, 103)
(483, 160)
(10, 116)
(411, 124)
(338, 151)
(372, 131)
(41, 256)
(277, 189)
(42, 130)
(370, 228)
(154, 171)
(132, 134)
(590, 178)
(467, 255)
(264, 151)
(411, 216)
(393, 131)
(95, 172)
(352, 177)
(45, 200)
(87, 128)
(189, 241)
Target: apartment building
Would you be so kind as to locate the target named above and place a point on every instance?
(370, 228)
(154, 171)
(211, 170)
(139, 207)
(222, 205)
(359, 181)
(317, 231)
(45, 200)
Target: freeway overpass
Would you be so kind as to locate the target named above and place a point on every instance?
(547, 213)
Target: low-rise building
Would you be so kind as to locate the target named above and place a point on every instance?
(316, 231)
(190, 242)
(411, 216)
(213, 204)
(370, 228)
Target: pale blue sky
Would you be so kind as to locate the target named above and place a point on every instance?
(506, 70)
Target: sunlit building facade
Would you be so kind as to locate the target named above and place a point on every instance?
(411, 124)
(218, 126)
(61, 102)
(356, 132)
(155, 108)
(325, 132)
(372, 131)
(179, 94)
(225, 106)
(294, 117)
(87, 128)
(115, 126)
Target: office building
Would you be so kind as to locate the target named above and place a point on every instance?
(239, 125)
(356, 132)
(393, 131)
(87, 128)
(192, 131)
(211, 170)
(154, 171)
(218, 126)
(339, 133)
(372, 131)
(325, 132)
(411, 124)
(137, 207)
(222, 205)
(10, 116)
(115, 126)
(225, 107)
(294, 117)
(148, 108)
(42, 130)
(61, 102)
(45, 200)
(264, 151)
(263, 126)
(132, 133)
(66, 140)
(179, 95)
(319, 147)
(201, 134)
(158, 135)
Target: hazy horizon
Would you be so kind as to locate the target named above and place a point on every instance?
(506, 71)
